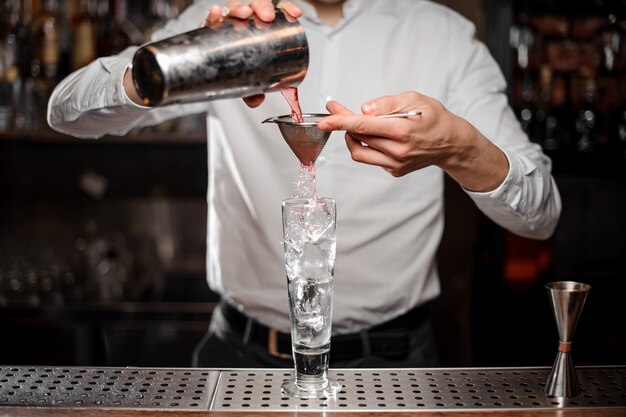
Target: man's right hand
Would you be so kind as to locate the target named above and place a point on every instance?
(262, 9)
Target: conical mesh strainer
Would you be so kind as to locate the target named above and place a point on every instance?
(305, 139)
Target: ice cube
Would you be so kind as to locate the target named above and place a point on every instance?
(315, 322)
(307, 298)
(295, 232)
(318, 222)
(293, 254)
(312, 261)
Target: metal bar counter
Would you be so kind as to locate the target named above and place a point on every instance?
(43, 391)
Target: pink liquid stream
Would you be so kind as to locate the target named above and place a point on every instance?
(291, 95)
(305, 185)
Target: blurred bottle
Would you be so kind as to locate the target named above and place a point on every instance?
(527, 112)
(84, 35)
(616, 146)
(46, 50)
(102, 16)
(27, 112)
(118, 32)
(106, 263)
(611, 40)
(620, 134)
(9, 65)
(588, 124)
(549, 96)
(154, 18)
(67, 9)
(522, 39)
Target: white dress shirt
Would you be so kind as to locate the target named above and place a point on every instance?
(388, 229)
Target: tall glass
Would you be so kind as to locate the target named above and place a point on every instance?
(309, 236)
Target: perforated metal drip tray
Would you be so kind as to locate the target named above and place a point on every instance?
(107, 387)
(259, 390)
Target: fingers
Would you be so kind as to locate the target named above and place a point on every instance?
(264, 10)
(232, 8)
(363, 125)
(214, 17)
(334, 107)
(254, 101)
(392, 104)
(291, 9)
(372, 152)
(395, 150)
(238, 10)
(401, 144)
(370, 156)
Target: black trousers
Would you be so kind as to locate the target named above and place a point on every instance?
(226, 345)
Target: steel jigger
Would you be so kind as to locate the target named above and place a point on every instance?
(568, 299)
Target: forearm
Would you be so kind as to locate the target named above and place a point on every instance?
(511, 183)
(101, 98)
(527, 202)
(513, 187)
(129, 87)
(525, 199)
(476, 163)
(92, 102)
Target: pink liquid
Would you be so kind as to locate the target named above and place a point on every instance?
(305, 185)
(291, 95)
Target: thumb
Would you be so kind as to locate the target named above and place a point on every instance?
(334, 107)
(389, 104)
(336, 110)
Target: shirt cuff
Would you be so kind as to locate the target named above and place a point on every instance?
(124, 97)
(116, 66)
(509, 191)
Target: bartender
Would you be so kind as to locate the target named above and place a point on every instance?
(366, 56)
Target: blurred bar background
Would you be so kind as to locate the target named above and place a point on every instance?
(102, 243)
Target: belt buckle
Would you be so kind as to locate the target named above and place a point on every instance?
(272, 344)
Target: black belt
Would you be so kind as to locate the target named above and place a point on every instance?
(389, 339)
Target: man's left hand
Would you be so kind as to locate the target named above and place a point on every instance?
(434, 136)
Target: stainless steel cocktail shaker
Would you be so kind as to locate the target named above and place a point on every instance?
(236, 59)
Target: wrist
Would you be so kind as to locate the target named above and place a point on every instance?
(475, 163)
(463, 146)
(129, 87)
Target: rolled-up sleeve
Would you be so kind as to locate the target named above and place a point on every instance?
(92, 102)
(527, 202)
